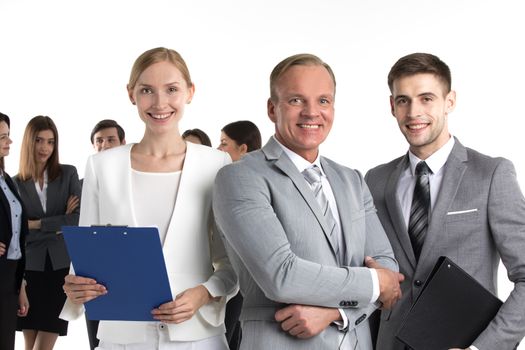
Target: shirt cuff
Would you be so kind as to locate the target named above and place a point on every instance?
(342, 326)
(375, 286)
(472, 347)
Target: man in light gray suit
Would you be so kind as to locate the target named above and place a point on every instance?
(476, 210)
(299, 244)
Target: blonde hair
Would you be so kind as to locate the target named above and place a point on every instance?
(156, 55)
(302, 59)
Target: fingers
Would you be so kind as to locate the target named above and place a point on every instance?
(284, 313)
(2, 248)
(82, 289)
(371, 263)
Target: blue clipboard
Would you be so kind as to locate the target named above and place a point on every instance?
(128, 261)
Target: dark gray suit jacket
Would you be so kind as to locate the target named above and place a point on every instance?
(46, 240)
(478, 217)
(276, 237)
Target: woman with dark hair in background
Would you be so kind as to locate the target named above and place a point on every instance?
(196, 136)
(239, 138)
(13, 229)
(50, 192)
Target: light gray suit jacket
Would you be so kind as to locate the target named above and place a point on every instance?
(479, 215)
(277, 241)
(46, 240)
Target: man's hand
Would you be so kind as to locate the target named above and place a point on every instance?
(303, 321)
(389, 290)
(185, 305)
(2, 248)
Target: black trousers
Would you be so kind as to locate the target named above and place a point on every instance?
(8, 303)
(92, 329)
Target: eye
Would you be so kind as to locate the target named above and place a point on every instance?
(146, 91)
(295, 100)
(172, 89)
(324, 101)
(427, 99)
(401, 101)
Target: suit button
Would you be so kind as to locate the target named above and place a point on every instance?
(418, 283)
(360, 319)
(342, 303)
(353, 303)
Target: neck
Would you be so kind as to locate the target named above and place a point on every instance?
(162, 145)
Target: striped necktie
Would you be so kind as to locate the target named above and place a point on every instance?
(419, 212)
(313, 176)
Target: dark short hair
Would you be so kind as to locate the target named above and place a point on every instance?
(198, 133)
(4, 118)
(106, 124)
(302, 59)
(417, 63)
(244, 132)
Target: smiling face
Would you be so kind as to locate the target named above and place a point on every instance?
(5, 140)
(421, 106)
(161, 93)
(44, 146)
(105, 139)
(303, 109)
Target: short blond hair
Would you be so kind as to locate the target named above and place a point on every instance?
(302, 59)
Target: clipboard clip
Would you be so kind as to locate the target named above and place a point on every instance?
(109, 225)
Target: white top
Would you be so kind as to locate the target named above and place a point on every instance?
(154, 196)
(42, 192)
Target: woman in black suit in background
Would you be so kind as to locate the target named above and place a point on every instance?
(50, 192)
(13, 229)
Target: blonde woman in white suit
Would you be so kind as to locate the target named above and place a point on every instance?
(162, 181)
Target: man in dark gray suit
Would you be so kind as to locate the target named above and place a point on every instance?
(474, 211)
(298, 227)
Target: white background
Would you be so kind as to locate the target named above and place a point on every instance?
(70, 60)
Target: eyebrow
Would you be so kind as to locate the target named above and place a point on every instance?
(167, 84)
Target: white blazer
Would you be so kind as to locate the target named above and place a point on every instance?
(193, 253)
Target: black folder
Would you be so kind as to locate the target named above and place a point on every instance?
(450, 312)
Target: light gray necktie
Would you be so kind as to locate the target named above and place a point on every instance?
(313, 176)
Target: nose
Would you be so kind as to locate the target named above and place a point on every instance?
(414, 110)
(160, 100)
(310, 110)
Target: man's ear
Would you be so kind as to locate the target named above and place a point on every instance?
(392, 105)
(270, 107)
(450, 101)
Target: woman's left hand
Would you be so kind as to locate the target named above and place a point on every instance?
(183, 307)
(23, 302)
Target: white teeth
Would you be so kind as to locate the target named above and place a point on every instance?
(417, 126)
(308, 126)
(160, 116)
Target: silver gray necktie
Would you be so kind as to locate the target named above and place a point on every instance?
(313, 176)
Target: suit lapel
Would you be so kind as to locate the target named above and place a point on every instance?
(51, 195)
(395, 212)
(29, 186)
(453, 174)
(275, 153)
